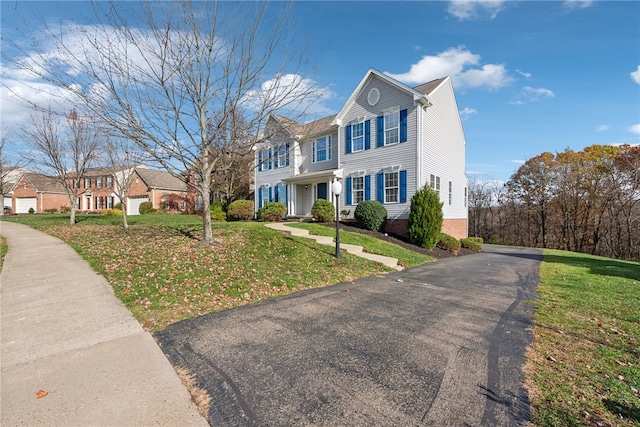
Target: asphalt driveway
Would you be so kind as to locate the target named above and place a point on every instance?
(440, 344)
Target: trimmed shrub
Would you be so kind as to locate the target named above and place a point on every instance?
(425, 218)
(240, 210)
(448, 243)
(118, 206)
(216, 210)
(272, 211)
(323, 211)
(31, 210)
(473, 243)
(146, 208)
(51, 211)
(112, 212)
(370, 215)
(65, 209)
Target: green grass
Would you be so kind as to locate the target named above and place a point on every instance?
(405, 257)
(163, 274)
(584, 365)
(3, 250)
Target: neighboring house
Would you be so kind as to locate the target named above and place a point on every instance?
(37, 192)
(387, 141)
(153, 186)
(97, 191)
(10, 175)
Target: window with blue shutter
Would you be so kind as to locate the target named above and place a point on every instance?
(287, 146)
(403, 186)
(367, 134)
(380, 132)
(276, 194)
(348, 191)
(259, 198)
(403, 125)
(270, 158)
(380, 187)
(367, 187)
(347, 139)
(259, 161)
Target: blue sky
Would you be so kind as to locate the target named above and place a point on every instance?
(529, 76)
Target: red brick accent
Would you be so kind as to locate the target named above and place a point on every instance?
(454, 227)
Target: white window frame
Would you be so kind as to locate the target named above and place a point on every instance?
(434, 183)
(109, 181)
(110, 200)
(281, 157)
(390, 190)
(389, 129)
(99, 182)
(87, 181)
(357, 139)
(327, 149)
(357, 189)
(450, 193)
(265, 195)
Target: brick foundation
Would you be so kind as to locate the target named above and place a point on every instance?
(454, 227)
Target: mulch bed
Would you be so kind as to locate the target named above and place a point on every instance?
(403, 241)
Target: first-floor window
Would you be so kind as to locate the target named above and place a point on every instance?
(99, 202)
(109, 202)
(265, 196)
(450, 193)
(391, 187)
(465, 197)
(434, 183)
(357, 189)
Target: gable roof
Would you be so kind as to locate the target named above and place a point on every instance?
(417, 95)
(42, 183)
(429, 87)
(161, 180)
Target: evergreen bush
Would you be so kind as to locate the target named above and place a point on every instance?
(370, 215)
(448, 243)
(216, 210)
(272, 211)
(425, 218)
(146, 208)
(473, 243)
(323, 211)
(240, 210)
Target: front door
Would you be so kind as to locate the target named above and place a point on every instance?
(321, 191)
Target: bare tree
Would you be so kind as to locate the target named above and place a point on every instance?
(63, 149)
(122, 156)
(175, 85)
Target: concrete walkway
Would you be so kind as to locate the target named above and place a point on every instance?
(72, 354)
(326, 240)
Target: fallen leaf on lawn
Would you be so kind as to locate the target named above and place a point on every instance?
(40, 394)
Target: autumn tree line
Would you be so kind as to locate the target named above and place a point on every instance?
(583, 201)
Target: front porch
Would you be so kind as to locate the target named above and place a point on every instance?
(308, 187)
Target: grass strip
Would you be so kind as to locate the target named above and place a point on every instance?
(583, 367)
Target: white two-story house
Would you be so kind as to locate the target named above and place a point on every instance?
(387, 141)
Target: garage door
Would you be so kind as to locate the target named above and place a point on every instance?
(133, 206)
(23, 205)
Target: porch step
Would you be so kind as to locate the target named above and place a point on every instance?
(326, 240)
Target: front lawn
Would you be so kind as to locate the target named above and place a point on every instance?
(159, 269)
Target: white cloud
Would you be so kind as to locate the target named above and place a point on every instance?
(475, 9)
(530, 94)
(578, 4)
(466, 113)
(519, 162)
(635, 76)
(461, 65)
(602, 128)
(635, 129)
(524, 74)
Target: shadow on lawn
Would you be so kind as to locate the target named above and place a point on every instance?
(628, 410)
(601, 267)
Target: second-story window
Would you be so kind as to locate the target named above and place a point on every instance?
(87, 183)
(357, 131)
(282, 157)
(99, 182)
(321, 149)
(110, 182)
(392, 128)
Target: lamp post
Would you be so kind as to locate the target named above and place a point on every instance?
(336, 187)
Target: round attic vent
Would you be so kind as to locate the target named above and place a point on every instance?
(373, 97)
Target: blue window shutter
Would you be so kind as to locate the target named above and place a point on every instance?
(313, 152)
(276, 194)
(287, 147)
(329, 147)
(259, 161)
(286, 197)
(276, 156)
(403, 186)
(403, 125)
(259, 198)
(367, 134)
(271, 194)
(270, 163)
(367, 187)
(380, 187)
(347, 139)
(380, 132)
(348, 192)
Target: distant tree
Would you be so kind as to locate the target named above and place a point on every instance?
(64, 149)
